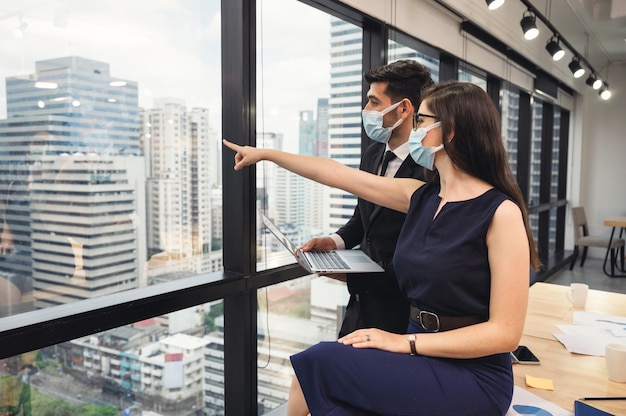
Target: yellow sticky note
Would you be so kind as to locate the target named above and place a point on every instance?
(539, 383)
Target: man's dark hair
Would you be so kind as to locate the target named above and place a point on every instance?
(406, 79)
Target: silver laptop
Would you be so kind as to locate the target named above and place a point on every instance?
(331, 261)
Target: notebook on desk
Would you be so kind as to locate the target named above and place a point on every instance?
(331, 261)
(584, 409)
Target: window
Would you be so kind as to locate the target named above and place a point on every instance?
(74, 213)
(309, 90)
(469, 73)
(97, 169)
(509, 125)
(402, 47)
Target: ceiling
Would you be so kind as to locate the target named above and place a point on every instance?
(596, 28)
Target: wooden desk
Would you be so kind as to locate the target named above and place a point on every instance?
(548, 306)
(574, 375)
(615, 222)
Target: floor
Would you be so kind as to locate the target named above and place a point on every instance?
(591, 274)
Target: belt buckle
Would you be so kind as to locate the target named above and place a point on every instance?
(429, 321)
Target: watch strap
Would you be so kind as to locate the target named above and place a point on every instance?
(411, 339)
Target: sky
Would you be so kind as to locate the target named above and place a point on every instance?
(172, 49)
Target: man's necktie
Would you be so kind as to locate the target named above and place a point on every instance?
(389, 155)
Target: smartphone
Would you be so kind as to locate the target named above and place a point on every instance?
(523, 355)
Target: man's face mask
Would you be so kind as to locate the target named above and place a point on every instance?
(423, 156)
(373, 123)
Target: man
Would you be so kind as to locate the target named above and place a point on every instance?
(393, 99)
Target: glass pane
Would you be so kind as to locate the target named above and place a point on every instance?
(535, 161)
(398, 51)
(468, 73)
(293, 316)
(552, 232)
(317, 114)
(556, 144)
(554, 177)
(169, 365)
(105, 185)
(510, 124)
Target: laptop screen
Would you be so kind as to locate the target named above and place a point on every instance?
(278, 234)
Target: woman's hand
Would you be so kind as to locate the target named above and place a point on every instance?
(244, 155)
(377, 338)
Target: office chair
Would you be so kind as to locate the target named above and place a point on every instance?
(584, 240)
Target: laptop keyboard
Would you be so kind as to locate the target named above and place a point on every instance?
(329, 260)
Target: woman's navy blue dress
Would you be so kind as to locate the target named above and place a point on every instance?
(442, 266)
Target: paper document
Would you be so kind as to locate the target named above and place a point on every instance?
(616, 325)
(527, 403)
(592, 332)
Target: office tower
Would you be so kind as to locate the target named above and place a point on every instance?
(86, 233)
(73, 196)
(179, 147)
(344, 114)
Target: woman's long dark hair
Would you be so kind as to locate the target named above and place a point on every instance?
(476, 147)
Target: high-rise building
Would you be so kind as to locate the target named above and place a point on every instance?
(181, 173)
(344, 114)
(87, 236)
(71, 176)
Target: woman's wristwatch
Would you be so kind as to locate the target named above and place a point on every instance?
(411, 339)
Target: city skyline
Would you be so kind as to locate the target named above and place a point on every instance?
(152, 50)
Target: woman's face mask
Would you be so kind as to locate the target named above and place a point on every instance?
(373, 123)
(423, 156)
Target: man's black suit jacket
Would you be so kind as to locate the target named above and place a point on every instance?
(375, 298)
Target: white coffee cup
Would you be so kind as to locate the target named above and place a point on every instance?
(616, 362)
(577, 294)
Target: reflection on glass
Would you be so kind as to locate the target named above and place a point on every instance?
(105, 187)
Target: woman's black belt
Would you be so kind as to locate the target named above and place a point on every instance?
(433, 322)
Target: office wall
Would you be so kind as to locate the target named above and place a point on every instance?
(599, 166)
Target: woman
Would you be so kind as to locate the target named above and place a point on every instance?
(462, 258)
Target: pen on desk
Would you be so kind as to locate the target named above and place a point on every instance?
(603, 398)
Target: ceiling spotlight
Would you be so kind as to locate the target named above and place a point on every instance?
(529, 25)
(593, 81)
(605, 93)
(494, 4)
(554, 49)
(576, 68)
